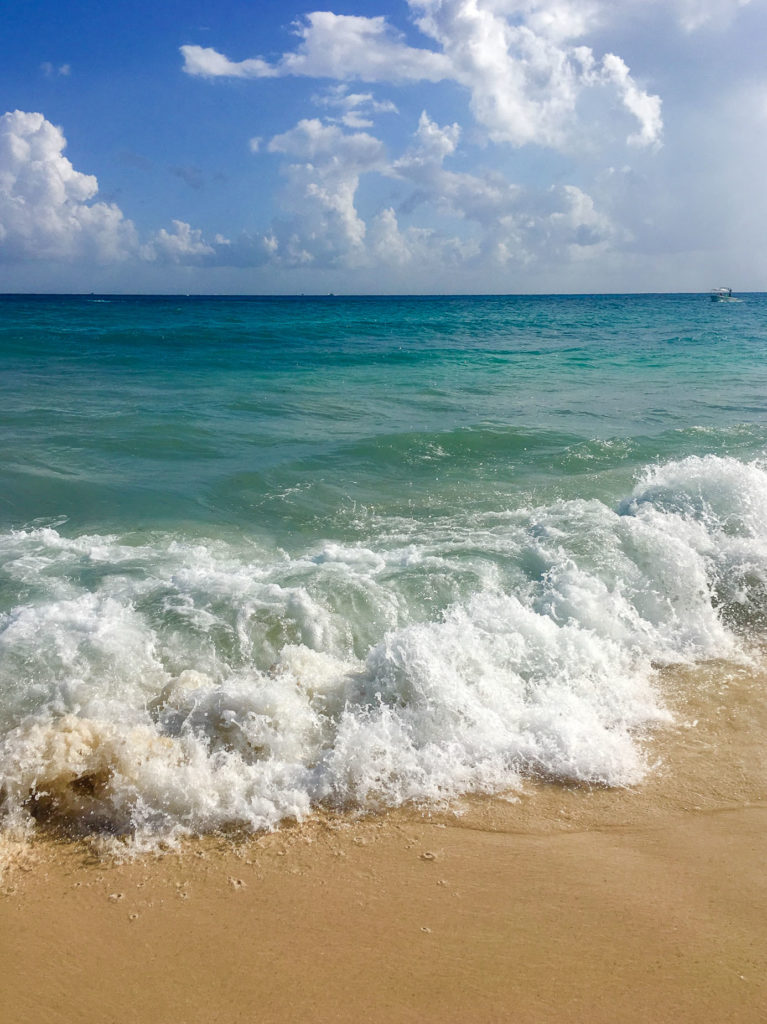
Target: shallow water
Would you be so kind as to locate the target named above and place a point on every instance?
(261, 556)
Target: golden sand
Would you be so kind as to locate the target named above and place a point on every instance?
(394, 920)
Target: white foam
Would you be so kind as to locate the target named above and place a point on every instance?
(177, 685)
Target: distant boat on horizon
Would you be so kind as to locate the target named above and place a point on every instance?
(722, 295)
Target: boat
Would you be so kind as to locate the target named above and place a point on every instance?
(722, 295)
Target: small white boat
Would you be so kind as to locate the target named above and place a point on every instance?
(722, 295)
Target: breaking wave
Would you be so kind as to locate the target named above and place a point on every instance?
(174, 684)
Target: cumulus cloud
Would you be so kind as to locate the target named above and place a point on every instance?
(184, 244)
(529, 78)
(46, 206)
(479, 198)
(509, 223)
(518, 59)
(494, 222)
(433, 144)
(48, 210)
(311, 139)
(523, 84)
(523, 72)
(323, 177)
(391, 245)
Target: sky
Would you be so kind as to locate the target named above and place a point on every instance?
(384, 146)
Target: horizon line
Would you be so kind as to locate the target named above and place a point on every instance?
(349, 295)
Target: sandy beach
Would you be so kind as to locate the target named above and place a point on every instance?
(399, 920)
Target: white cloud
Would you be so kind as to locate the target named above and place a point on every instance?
(325, 228)
(523, 85)
(482, 199)
(184, 244)
(322, 185)
(387, 244)
(46, 208)
(509, 223)
(433, 143)
(206, 62)
(516, 59)
(420, 250)
(311, 139)
(646, 108)
(356, 109)
(50, 70)
(339, 46)
(494, 222)
(524, 77)
(48, 212)
(558, 20)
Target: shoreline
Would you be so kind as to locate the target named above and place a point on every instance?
(398, 918)
(562, 903)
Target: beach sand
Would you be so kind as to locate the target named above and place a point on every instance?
(570, 904)
(390, 920)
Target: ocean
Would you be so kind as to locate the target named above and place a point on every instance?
(266, 557)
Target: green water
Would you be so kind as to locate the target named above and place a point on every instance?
(280, 415)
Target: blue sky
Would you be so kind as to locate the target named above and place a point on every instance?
(420, 146)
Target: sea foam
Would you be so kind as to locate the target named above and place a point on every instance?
(183, 685)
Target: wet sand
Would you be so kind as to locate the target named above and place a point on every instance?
(568, 905)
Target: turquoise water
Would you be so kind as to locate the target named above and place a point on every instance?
(258, 555)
